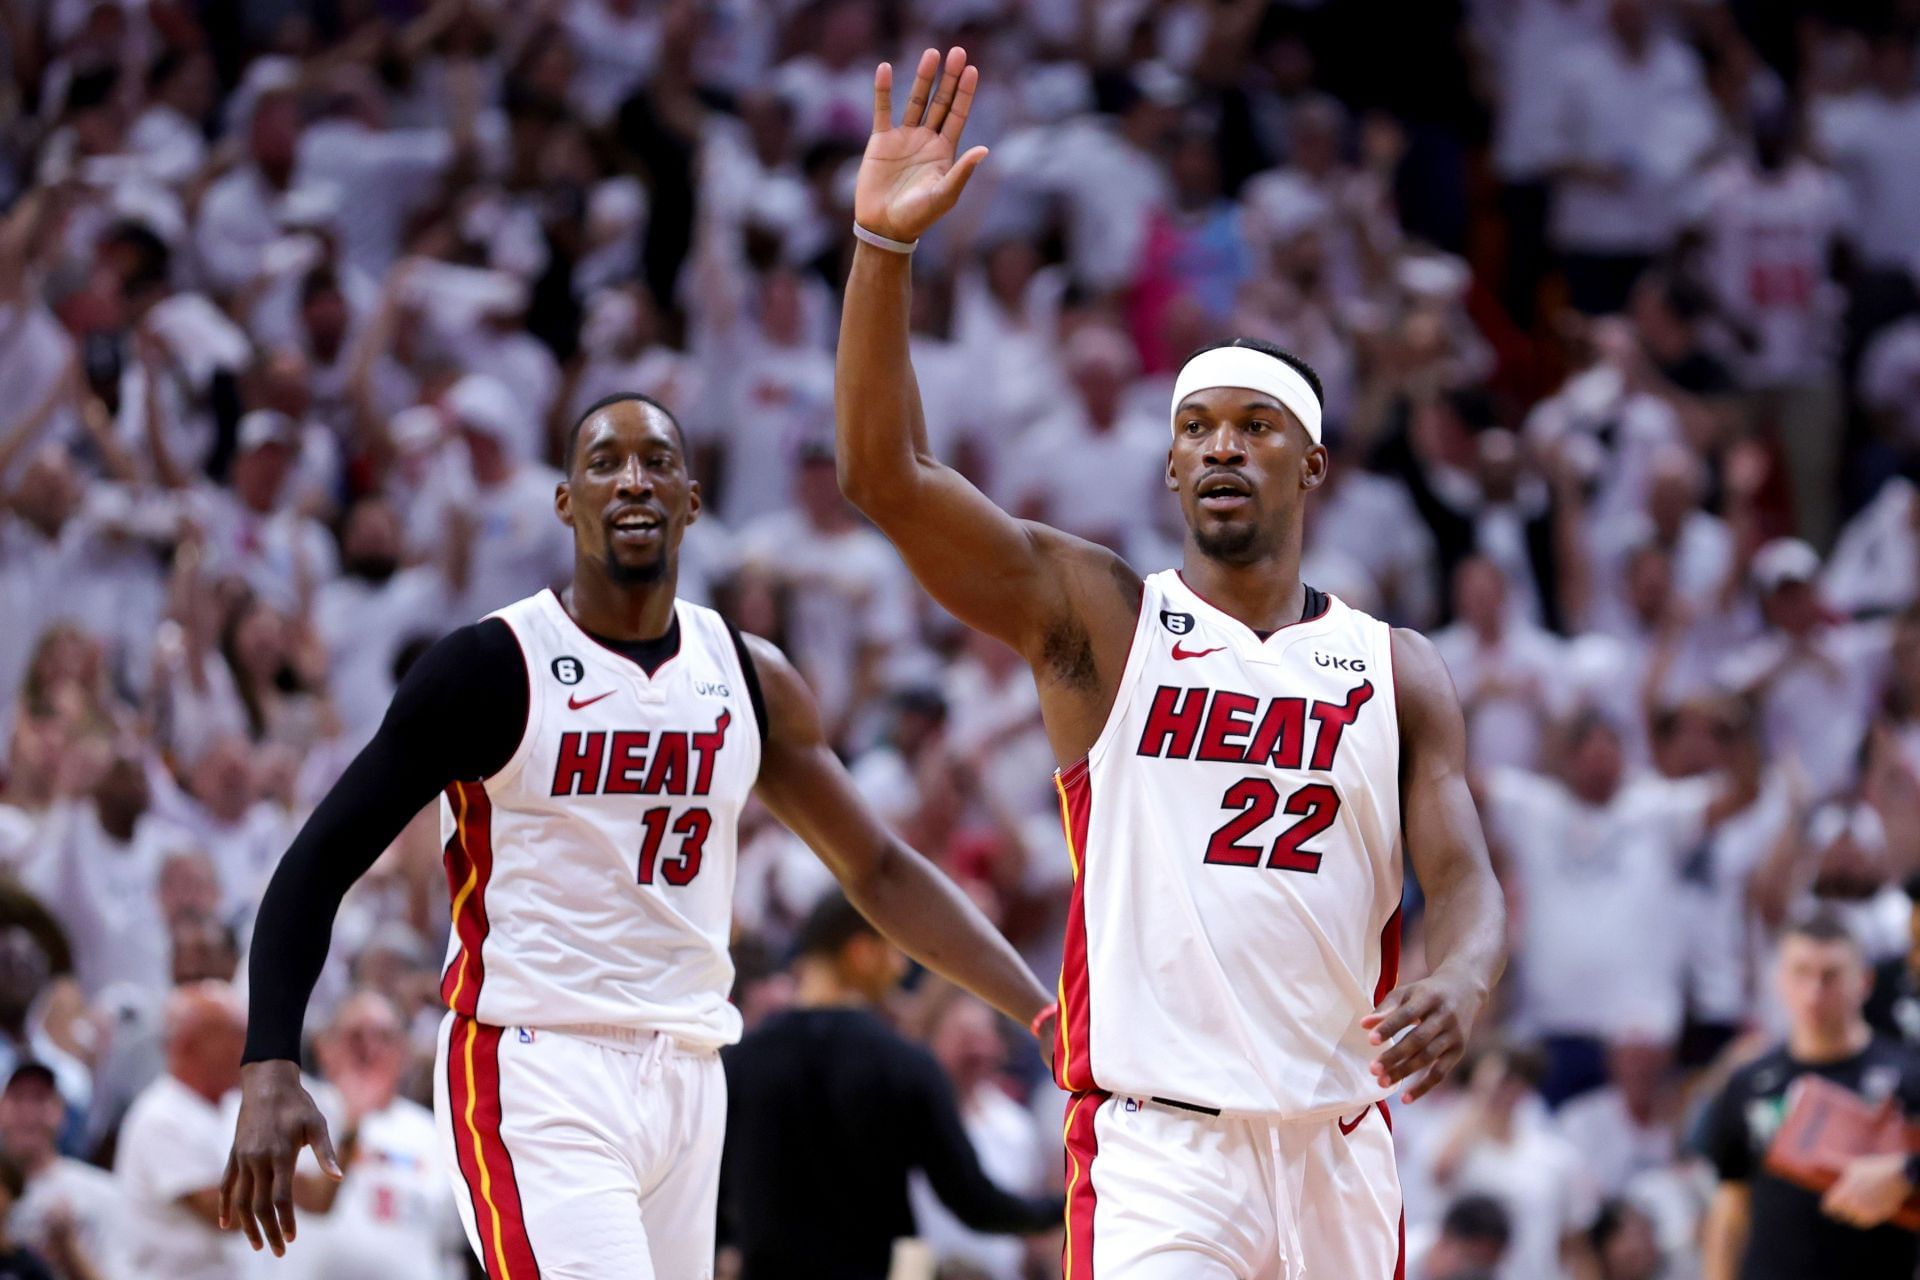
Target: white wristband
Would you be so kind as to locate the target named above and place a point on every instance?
(879, 241)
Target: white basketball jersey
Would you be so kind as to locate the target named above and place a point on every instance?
(1235, 835)
(592, 876)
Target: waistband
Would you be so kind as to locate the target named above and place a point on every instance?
(621, 1039)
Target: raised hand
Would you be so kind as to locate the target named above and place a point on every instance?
(913, 172)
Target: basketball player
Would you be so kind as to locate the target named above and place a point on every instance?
(1242, 759)
(594, 749)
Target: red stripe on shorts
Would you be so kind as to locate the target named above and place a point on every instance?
(1076, 1255)
(486, 1166)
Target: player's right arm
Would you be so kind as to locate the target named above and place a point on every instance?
(1010, 578)
(458, 714)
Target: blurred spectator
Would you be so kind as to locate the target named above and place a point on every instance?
(1624, 1245)
(1762, 1227)
(1773, 225)
(1627, 1126)
(71, 1212)
(173, 1147)
(99, 869)
(829, 1078)
(1630, 116)
(964, 1035)
(1595, 857)
(1501, 1144)
(1814, 678)
(298, 302)
(1507, 670)
(1870, 134)
(16, 1262)
(392, 1216)
(1473, 1239)
(1893, 1006)
(849, 597)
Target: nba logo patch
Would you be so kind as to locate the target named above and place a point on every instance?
(526, 1036)
(1178, 623)
(1133, 1104)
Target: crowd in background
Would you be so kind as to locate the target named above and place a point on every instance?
(1615, 306)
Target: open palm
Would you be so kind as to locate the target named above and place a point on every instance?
(913, 172)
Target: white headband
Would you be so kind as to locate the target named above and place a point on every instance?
(1254, 370)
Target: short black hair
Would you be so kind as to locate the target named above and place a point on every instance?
(1265, 348)
(1822, 924)
(1480, 1219)
(831, 925)
(618, 397)
(1612, 1220)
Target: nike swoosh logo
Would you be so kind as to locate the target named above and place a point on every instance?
(574, 703)
(1180, 654)
(1346, 1128)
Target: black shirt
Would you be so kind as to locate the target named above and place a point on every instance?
(1789, 1237)
(458, 715)
(23, 1264)
(1894, 1007)
(828, 1111)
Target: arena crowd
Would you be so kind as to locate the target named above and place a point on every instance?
(1616, 307)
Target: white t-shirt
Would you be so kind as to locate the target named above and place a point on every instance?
(781, 398)
(34, 351)
(1601, 950)
(237, 220)
(519, 543)
(1505, 728)
(1111, 189)
(1873, 140)
(1817, 705)
(364, 626)
(1719, 934)
(1370, 519)
(1540, 1180)
(272, 552)
(612, 54)
(1532, 41)
(173, 1143)
(1105, 486)
(826, 102)
(1768, 241)
(1650, 118)
(1612, 1146)
(103, 894)
(850, 591)
(84, 1193)
(381, 176)
(1875, 565)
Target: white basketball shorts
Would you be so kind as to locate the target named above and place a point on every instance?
(1155, 1192)
(588, 1154)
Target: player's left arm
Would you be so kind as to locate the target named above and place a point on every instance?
(1466, 915)
(907, 898)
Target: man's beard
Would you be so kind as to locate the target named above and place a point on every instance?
(636, 575)
(1233, 544)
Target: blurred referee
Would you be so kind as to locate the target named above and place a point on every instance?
(829, 1109)
(1763, 1228)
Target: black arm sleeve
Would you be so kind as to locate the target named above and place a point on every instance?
(457, 716)
(947, 1156)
